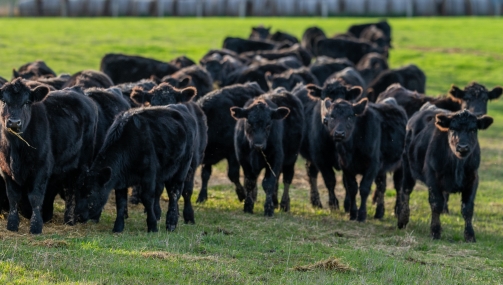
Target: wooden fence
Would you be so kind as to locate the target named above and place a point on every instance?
(244, 8)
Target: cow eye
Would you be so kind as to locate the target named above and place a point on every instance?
(325, 121)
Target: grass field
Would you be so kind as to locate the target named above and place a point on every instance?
(228, 247)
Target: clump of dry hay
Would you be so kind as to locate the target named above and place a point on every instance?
(157, 255)
(328, 264)
(173, 256)
(50, 243)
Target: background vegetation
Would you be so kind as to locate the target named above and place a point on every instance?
(228, 247)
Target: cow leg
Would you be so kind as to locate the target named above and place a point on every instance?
(269, 184)
(14, 195)
(408, 183)
(379, 194)
(397, 182)
(351, 191)
(188, 187)
(446, 202)
(48, 206)
(233, 174)
(436, 199)
(365, 185)
(135, 195)
(312, 173)
(288, 172)
(275, 201)
(159, 188)
(121, 206)
(467, 205)
(148, 196)
(205, 177)
(329, 177)
(175, 189)
(250, 188)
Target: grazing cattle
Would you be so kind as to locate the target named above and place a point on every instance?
(242, 45)
(221, 132)
(371, 65)
(357, 30)
(123, 68)
(127, 88)
(326, 66)
(348, 76)
(296, 50)
(33, 71)
(442, 151)
(161, 158)
(195, 76)
(220, 67)
(317, 147)
(290, 78)
(268, 136)
(368, 140)
(57, 83)
(310, 39)
(182, 62)
(58, 131)
(109, 103)
(254, 73)
(259, 33)
(354, 50)
(410, 77)
(283, 37)
(89, 78)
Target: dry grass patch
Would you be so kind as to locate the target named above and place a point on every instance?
(328, 264)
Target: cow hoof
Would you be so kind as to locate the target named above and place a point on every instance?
(333, 205)
(362, 216)
(379, 212)
(201, 199)
(347, 205)
(317, 204)
(470, 239)
(435, 235)
(118, 227)
(353, 215)
(285, 206)
(36, 230)
(12, 228)
(269, 212)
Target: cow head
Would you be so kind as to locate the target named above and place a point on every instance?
(258, 119)
(93, 193)
(163, 94)
(287, 81)
(462, 130)
(17, 99)
(474, 97)
(260, 32)
(334, 90)
(339, 117)
(181, 82)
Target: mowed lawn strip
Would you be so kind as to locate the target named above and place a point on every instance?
(228, 247)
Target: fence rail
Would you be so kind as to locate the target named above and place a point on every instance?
(244, 8)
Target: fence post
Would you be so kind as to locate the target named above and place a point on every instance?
(64, 8)
(115, 8)
(410, 8)
(324, 8)
(497, 8)
(12, 5)
(199, 8)
(242, 8)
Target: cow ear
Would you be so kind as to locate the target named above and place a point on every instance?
(238, 113)
(371, 95)
(360, 107)
(325, 106)
(185, 81)
(456, 92)
(442, 122)
(104, 176)
(280, 113)
(314, 91)
(495, 93)
(39, 93)
(187, 94)
(484, 122)
(15, 74)
(353, 93)
(140, 96)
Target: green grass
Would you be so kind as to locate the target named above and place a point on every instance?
(228, 247)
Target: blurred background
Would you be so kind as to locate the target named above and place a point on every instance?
(245, 8)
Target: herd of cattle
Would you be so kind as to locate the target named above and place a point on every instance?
(257, 103)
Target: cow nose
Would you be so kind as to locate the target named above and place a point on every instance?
(339, 134)
(462, 148)
(14, 123)
(259, 146)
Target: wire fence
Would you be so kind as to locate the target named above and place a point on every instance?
(247, 8)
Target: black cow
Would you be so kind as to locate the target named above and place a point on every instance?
(220, 67)
(357, 30)
(268, 136)
(195, 76)
(221, 132)
(219, 54)
(474, 97)
(254, 73)
(88, 79)
(289, 61)
(33, 70)
(123, 68)
(58, 132)
(259, 33)
(371, 65)
(127, 88)
(442, 151)
(57, 83)
(239, 45)
(368, 140)
(182, 62)
(296, 50)
(324, 66)
(348, 76)
(354, 50)
(377, 36)
(282, 37)
(161, 158)
(410, 77)
(310, 39)
(290, 78)
(317, 147)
